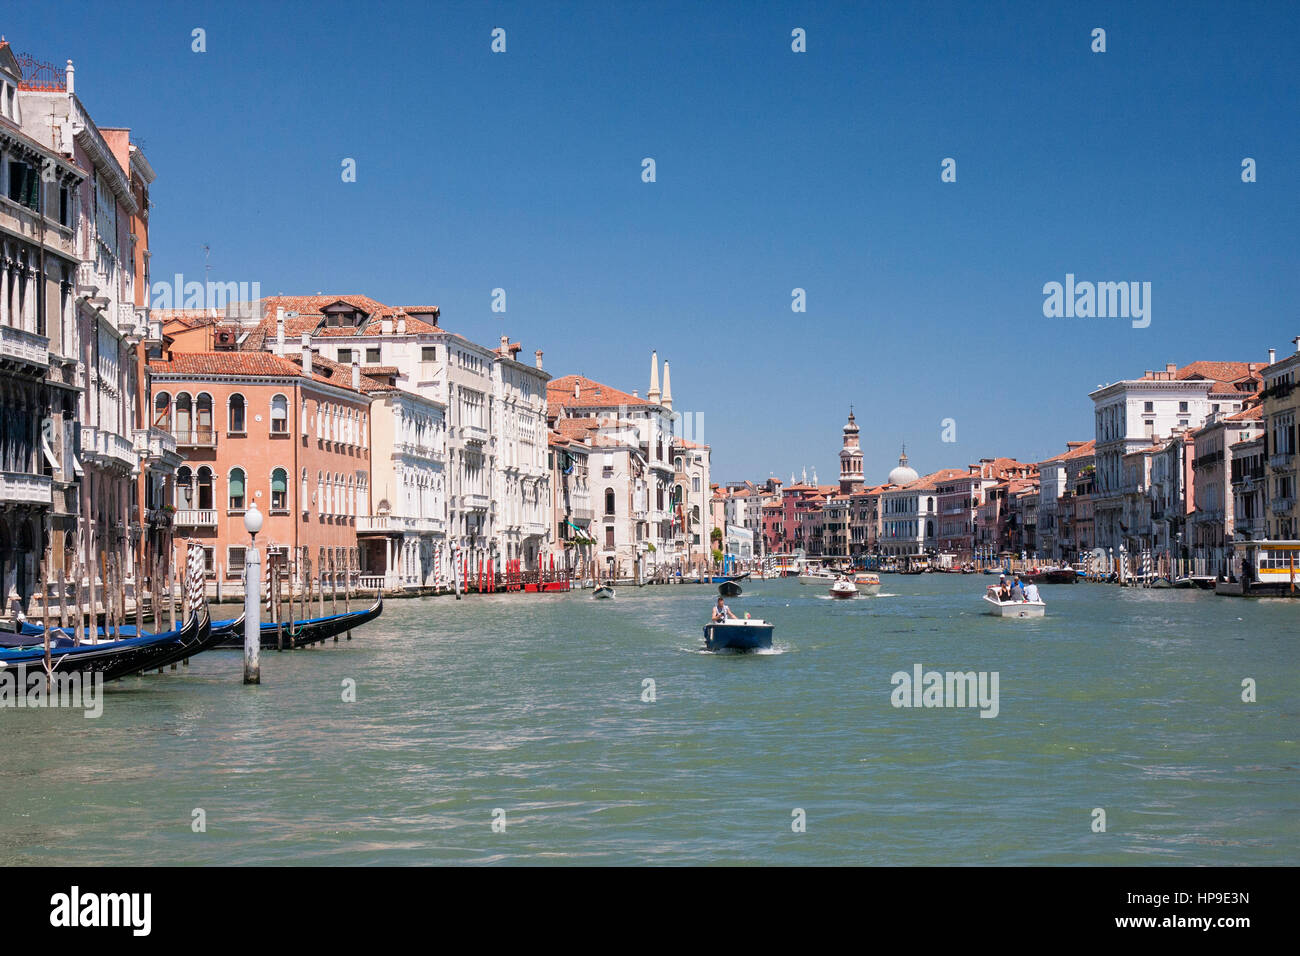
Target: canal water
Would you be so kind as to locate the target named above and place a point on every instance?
(528, 711)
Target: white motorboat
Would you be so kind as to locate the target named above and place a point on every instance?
(603, 591)
(866, 582)
(818, 576)
(1014, 608)
(844, 588)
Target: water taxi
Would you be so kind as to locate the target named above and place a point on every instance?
(1000, 608)
(867, 582)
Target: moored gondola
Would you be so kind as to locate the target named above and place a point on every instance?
(112, 659)
(300, 633)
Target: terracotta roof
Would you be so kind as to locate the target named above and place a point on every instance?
(226, 363)
(1087, 448)
(327, 370)
(380, 370)
(559, 394)
(576, 428)
(1251, 413)
(1218, 371)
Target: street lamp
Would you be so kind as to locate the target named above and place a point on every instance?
(252, 600)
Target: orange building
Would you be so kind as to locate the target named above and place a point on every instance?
(289, 434)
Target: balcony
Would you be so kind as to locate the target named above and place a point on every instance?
(474, 433)
(195, 438)
(24, 351)
(19, 488)
(107, 449)
(1281, 505)
(155, 445)
(1280, 460)
(475, 502)
(196, 518)
(396, 524)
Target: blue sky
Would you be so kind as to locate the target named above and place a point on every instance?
(775, 170)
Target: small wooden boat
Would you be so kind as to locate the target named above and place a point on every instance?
(1184, 583)
(1015, 608)
(729, 589)
(866, 582)
(739, 634)
(603, 591)
(300, 633)
(844, 589)
(723, 578)
(1065, 575)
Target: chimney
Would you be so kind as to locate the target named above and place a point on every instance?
(356, 373)
(653, 394)
(538, 354)
(71, 77)
(1296, 340)
(1172, 369)
(1272, 356)
(634, 394)
(577, 388)
(386, 325)
(279, 330)
(668, 390)
(505, 346)
(401, 323)
(306, 354)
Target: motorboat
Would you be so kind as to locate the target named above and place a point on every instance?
(1065, 575)
(729, 589)
(741, 634)
(844, 588)
(867, 582)
(603, 591)
(818, 576)
(1000, 608)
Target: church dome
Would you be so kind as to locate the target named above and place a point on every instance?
(903, 474)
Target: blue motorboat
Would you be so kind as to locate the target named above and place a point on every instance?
(742, 634)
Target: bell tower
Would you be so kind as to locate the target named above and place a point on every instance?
(850, 457)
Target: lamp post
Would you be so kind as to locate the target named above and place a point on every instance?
(252, 600)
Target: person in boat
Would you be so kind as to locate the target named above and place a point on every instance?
(1031, 592)
(721, 612)
(1017, 589)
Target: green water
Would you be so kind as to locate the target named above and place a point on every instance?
(1125, 700)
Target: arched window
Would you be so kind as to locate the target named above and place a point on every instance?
(695, 483)
(305, 492)
(184, 416)
(677, 463)
(320, 492)
(235, 417)
(203, 417)
(184, 489)
(205, 488)
(609, 501)
(279, 490)
(279, 415)
(677, 495)
(235, 489)
(162, 411)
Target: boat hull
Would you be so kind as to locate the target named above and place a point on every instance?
(745, 635)
(602, 593)
(729, 589)
(301, 634)
(115, 659)
(1015, 608)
